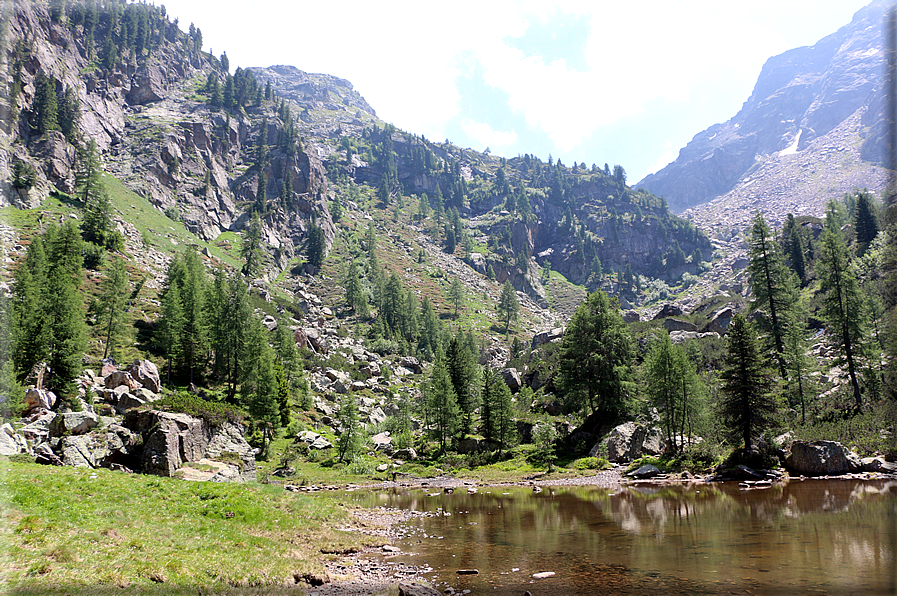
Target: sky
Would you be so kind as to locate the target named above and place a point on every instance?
(625, 82)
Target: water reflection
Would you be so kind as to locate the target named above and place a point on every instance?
(836, 537)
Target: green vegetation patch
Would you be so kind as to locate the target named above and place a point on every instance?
(212, 412)
(77, 531)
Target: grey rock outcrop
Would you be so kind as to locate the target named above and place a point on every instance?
(39, 398)
(630, 441)
(74, 423)
(147, 374)
(821, 458)
(12, 442)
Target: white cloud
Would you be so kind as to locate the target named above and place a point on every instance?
(485, 136)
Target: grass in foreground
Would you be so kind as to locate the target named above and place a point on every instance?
(78, 531)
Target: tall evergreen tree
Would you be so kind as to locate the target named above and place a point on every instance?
(87, 175)
(355, 298)
(69, 115)
(595, 357)
(508, 306)
(45, 105)
(464, 374)
(747, 406)
(170, 329)
(671, 384)
(497, 413)
(349, 442)
(30, 331)
(866, 218)
(251, 250)
(114, 291)
(771, 284)
(428, 345)
(315, 246)
(195, 331)
(844, 307)
(258, 386)
(442, 403)
(456, 294)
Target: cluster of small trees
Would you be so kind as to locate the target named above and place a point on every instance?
(47, 322)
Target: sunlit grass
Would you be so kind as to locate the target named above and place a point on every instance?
(81, 531)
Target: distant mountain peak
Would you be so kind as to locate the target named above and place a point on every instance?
(800, 96)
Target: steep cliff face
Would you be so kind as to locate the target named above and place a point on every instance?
(155, 127)
(800, 96)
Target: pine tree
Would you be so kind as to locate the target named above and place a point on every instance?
(456, 294)
(595, 356)
(45, 105)
(508, 306)
(442, 403)
(69, 115)
(193, 292)
(671, 379)
(429, 334)
(65, 307)
(87, 176)
(170, 328)
(354, 296)
(29, 323)
(747, 406)
(497, 413)
(315, 246)
(349, 442)
(114, 291)
(251, 250)
(464, 375)
(261, 149)
(771, 284)
(259, 387)
(866, 220)
(844, 307)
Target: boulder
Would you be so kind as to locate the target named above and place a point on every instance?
(546, 337)
(229, 442)
(878, 464)
(630, 441)
(72, 423)
(147, 86)
(121, 378)
(412, 364)
(511, 377)
(38, 430)
(407, 454)
(127, 401)
(12, 442)
(631, 316)
(668, 310)
(673, 324)
(821, 458)
(720, 320)
(99, 449)
(647, 471)
(39, 398)
(169, 439)
(382, 442)
(677, 337)
(146, 373)
(313, 440)
(109, 367)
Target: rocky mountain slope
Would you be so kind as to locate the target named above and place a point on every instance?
(807, 103)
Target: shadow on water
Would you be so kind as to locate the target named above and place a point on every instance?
(829, 537)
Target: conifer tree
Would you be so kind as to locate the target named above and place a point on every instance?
(350, 428)
(844, 306)
(429, 334)
(87, 176)
(865, 220)
(354, 297)
(69, 115)
(747, 406)
(29, 323)
(251, 250)
(258, 386)
(595, 357)
(193, 293)
(114, 291)
(771, 284)
(45, 105)
(671, 379)
(508, 306)
(464, 375)
(170, 329)
(442, 403)
(315, 246)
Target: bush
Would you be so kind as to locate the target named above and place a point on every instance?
(590, 463)
(214, 413)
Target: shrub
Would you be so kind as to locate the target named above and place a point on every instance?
(214, 413)
(591, 463)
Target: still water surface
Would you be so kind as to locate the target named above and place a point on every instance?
(811, 537)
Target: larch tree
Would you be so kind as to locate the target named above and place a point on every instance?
(595, 358)
(671, 378)
(747, 406)
(114, 291)
(508, 306)
(843, 306)
(464, 374)
(251, 249)
(771, 284)
(442, 403)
